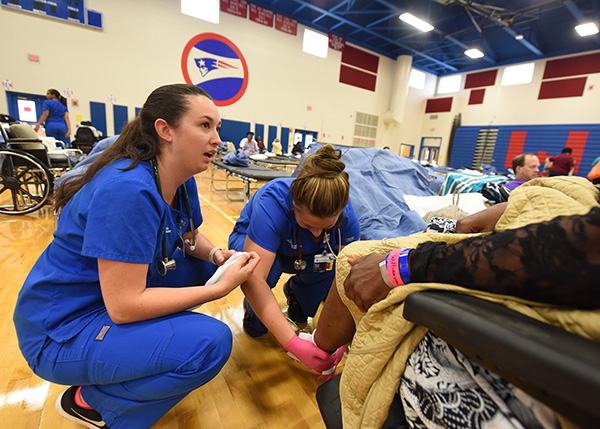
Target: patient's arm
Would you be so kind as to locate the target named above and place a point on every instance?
(555, 262)
(483, 221)
(336, 326)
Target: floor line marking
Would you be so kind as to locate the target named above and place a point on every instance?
(210, 203)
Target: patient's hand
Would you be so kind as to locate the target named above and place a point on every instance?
(364, 284)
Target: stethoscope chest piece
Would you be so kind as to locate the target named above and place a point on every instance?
(299, 264)
(164, 265)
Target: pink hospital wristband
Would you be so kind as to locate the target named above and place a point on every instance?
(397, 267)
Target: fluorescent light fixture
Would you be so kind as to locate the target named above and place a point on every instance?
(207, 10)
(315, 43)
(519, 37)
(473, 53)
(416, 22)
(587, 29)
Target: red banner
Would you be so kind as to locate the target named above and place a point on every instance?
(235, 7)
(285, 24)
(261, 15)
(336, 42)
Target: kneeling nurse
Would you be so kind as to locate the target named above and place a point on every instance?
(296, 226)
(104, 307)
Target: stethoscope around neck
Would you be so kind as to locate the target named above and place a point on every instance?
(299, 263)
(166, 264)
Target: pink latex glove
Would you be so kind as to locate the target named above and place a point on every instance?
(310, 355)
(337, 356)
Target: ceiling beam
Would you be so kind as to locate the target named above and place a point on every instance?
(306, 4)
(437, 31)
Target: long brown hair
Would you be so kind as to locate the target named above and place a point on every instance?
(138, 141)
(322, 186)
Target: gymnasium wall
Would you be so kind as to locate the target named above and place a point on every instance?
(141, 44)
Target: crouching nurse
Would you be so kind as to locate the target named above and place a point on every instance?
(104, 307)
(296, 226)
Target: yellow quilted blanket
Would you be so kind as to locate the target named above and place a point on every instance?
(384, 339)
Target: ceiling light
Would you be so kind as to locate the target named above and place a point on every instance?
(519, 37)
(416, 22)
(473, 53)
(587, 29)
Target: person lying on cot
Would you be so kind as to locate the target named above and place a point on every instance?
(553, 262)
(297, 226)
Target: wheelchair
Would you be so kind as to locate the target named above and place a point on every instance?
(28, 167)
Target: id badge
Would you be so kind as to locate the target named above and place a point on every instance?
(323, 262)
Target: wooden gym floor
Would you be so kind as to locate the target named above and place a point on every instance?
(259, 387)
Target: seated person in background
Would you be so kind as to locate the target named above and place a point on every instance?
(260, 144)
(560, 165)
(438, 385)
(277, 148)
(248, 144)
(526, 167)
(297, 149)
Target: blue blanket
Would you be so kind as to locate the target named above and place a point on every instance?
(379, 179)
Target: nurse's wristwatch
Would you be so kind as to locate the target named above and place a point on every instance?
(394, 268)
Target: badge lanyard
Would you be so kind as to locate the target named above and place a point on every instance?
(299, 263)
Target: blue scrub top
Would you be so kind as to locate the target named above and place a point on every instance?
(56, 111)
(120, 216)
(269, 221)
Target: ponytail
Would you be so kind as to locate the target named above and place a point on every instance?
(138, 141)
(59, 97)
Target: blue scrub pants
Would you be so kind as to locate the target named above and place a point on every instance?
(58, 131)
(309, 287)
(132, 374)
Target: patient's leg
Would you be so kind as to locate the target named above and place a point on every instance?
(336, 326)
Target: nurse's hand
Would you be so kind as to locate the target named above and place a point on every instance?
(310, 355)
(221, 256)
(364, 284)
(239, 272)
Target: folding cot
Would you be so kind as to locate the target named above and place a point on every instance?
(247, 175)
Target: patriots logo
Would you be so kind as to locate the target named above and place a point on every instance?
(206, 65)
(215, 64)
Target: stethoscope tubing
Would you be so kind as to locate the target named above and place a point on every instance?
(165, 264)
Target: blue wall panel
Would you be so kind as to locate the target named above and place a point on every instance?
(259, 130)
(120, 117)
(98, 116)
(234, 131)
(272, 136)
(285, 138)
(550, 139)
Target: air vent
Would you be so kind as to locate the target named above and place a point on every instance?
(365, 129)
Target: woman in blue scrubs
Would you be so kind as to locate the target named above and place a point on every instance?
(103, 309)
(56, 115)
(296, 226)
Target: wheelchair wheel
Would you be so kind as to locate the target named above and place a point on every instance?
(25, 183)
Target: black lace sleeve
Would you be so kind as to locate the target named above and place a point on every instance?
(554, 262)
